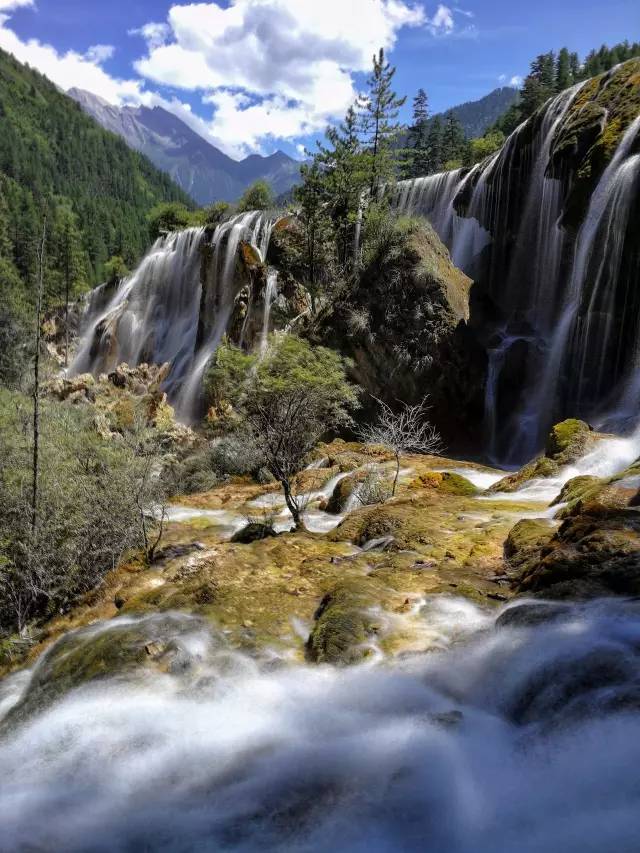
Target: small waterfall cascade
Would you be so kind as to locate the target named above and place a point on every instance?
(270, 294)
(511, 732)
(175, 307)
(560, 296)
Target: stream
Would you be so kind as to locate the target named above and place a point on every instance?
(519, 734)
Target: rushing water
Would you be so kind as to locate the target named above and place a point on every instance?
(504, 737)
(567, 301)
(170, 309)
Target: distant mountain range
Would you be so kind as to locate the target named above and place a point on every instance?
(476, 117)
(207, 174)
(201, 169)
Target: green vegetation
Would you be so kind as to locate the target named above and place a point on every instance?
(94, 496)
(259, 196)
(552, 73)
(287, 399)
(57, 163)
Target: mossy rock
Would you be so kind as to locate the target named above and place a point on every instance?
(525, 539)
(591, 131)
(540, 468)
(576, 488)
(595, 552)
(362, 526)
(568, 441)
(447, 482)
(115, 649)
(343, 626)
(341, 494)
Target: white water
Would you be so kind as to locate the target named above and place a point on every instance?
(559, 294)
(610, 456)
(521, 739)
(160, 314)
(271, 291)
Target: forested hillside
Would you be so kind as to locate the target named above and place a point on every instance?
(58, 165)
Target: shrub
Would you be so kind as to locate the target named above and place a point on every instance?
(259, 196)
(95, 502)
(374, 489)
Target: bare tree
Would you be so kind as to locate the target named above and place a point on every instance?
(405, 431)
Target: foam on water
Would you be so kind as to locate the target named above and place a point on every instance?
(507, 739)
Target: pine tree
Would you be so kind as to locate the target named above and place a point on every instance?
(311, 195)
(540, 83)
(574, 67)
(435, 142)
(378, 126)
(417, 161)
(346, 170)
(453, 140)
(563, 75)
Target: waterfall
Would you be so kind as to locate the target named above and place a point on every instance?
(270, 293)
(173, 308)
(570, 298)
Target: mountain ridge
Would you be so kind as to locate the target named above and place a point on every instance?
(197, 166)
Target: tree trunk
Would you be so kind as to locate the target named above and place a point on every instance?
(36, 382)
(395, 479)
(293, 507)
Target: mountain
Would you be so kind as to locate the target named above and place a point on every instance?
(200, 168)
(58, 165)
(476, 117)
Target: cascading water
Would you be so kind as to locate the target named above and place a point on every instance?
(508, 734)
(566, 302)
(169, 309)
(270, 294)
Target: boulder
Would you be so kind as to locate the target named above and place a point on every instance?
(343, 625)
(566, 443)
(595, 552)
(121, 648)
(253, 532)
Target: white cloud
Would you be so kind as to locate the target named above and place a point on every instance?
(465, 12)
(502, 78)
(99, 53)
(442, 22)
(155, 34)
(516, 80)
(266, 70)
(72, 68)
(10, 5)
(272, 68)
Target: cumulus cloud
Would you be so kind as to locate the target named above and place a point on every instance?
(516, 80)
(71, 68)
(265, 70)
(154, 33)
(272, 68)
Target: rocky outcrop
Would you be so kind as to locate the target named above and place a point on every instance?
(404, 328)
(124, 399)
(595, 552)
(566, 443)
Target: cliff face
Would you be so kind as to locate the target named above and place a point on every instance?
(547, 229)
(404, 328)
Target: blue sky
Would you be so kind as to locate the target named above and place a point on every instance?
(257, 75)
